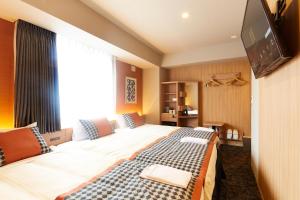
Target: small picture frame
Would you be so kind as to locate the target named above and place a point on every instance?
(130, 90)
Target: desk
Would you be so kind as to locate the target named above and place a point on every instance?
(188, 121)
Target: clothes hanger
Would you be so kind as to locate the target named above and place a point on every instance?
(229, 79)
(213, 83)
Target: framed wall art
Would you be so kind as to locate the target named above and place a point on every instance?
(130, 90)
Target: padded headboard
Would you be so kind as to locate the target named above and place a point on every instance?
(58, 137)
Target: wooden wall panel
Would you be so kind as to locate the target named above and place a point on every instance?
(122, 70)
(151, 96)
(229, 104)
(279, 144)
(6, 74)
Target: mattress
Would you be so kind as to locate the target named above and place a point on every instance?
(46, 176)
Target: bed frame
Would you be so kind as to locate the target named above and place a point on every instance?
(220, 175)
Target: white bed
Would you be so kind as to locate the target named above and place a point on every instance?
(46, 176)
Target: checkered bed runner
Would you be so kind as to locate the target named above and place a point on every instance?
(124, 181)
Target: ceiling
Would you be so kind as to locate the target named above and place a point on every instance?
(13, 10)
(159, 23)
(204, 36)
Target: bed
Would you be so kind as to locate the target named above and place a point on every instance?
(73, 164)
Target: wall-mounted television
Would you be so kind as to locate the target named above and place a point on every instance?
(263, 44)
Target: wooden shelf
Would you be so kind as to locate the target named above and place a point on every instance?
(216, 124)
(167, 117)
(169, 101)
(170, 93)
(169, 82)
(188, 116)
(181, 91)
(231, 142)
(240, 139)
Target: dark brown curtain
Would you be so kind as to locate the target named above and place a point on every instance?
(36, 78)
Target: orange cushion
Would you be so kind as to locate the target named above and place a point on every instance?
(137, 119)
(19, 144)
(103, 126)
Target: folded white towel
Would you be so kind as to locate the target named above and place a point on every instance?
(194, 140)
(167, 175)
(204, 129)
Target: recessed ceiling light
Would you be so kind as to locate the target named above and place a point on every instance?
(233, 37)
(185, 15)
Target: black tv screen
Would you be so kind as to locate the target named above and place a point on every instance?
(261, 40)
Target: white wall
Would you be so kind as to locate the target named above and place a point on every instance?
(254, 124)
(77, 14)
(205, 54)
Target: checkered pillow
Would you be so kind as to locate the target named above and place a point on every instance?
(41, 140)
(90, 128)
(128, 121)
(2, 157)
(18, 140)
(97, 128)
(133, 120)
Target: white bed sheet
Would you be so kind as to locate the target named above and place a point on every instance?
(70, 164)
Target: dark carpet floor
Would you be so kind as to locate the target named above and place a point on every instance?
(240, 183)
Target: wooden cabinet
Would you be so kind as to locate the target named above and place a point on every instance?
(167, 117)
(176, 98)
(169, 102)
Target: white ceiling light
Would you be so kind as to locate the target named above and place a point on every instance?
(185, 15)
(233, 37)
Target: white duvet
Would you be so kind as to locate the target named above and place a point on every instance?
(47, 176)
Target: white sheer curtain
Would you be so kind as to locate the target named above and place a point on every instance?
(85, 82)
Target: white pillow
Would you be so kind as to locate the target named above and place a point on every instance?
(120, 121)
(79, 132)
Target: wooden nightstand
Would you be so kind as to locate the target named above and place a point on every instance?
(239, 142)
(219, 127)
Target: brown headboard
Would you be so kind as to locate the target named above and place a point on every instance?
(65, 135)
(58, 137)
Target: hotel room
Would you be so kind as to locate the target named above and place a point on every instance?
(158, 100)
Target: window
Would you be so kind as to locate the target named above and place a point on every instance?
(85, 82)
